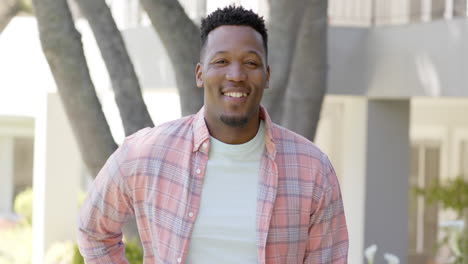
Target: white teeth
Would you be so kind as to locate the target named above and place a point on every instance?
(235, 94)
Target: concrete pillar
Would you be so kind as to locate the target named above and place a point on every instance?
(6, 176)
(387, 170)
(57, 169)
(375, 176)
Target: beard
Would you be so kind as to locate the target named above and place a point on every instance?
(232, 121)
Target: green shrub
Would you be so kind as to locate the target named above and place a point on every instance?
(133, 253)
(16, 242)
(451, 194)
(24, 204)
(77, 258)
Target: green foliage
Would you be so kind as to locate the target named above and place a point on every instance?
(133, 253)
(462, 254)
(16, 242)
(25, 6)
(453, 194)
(24, 204)
(77, 258)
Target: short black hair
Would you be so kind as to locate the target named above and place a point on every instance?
(236, 16)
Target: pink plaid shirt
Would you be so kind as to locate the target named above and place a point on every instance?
(157, 176)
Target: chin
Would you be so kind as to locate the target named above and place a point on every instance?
(234, 121)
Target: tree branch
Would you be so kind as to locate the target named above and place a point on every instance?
(8, 10)
(62, 46)
(127, 91)
(180, 37)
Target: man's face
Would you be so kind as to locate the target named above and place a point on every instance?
(233, 71)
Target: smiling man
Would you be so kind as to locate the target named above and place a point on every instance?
(233, 71)
(225, 185)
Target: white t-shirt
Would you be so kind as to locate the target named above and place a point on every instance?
(225, 228)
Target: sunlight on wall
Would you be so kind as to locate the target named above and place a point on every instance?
(23, 68)
(212, 5)
(427, 74)
(163, 106)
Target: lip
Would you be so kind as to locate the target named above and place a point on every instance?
(235, 90)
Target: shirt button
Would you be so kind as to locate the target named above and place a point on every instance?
(198, 171)
(179, 260)
(190, 214)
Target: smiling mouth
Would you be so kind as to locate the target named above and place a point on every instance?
(235, 94)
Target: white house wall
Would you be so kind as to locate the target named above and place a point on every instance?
(56, 179)
(424, 59)
(6, 176)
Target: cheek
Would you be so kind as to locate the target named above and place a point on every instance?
(213, 79)
(214, 73)
(259, 80)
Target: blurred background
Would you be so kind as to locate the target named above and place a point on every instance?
(381, 85)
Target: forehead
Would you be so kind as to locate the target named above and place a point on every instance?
(232, 38)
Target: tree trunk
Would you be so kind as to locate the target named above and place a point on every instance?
(181, 38)
(127, 91)
(459, 8)
(62, 46)
(285, 21)
(8, 10)
(307, 81)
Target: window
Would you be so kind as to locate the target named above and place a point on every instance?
(422, 217)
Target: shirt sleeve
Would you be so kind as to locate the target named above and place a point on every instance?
(105, 210)
(328, 234)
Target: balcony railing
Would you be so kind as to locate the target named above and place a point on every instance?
(388, 12)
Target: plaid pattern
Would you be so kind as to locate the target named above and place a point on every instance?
(157, 175)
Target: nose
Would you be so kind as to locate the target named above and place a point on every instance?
(235, 73)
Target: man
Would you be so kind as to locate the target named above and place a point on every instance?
(225, 185)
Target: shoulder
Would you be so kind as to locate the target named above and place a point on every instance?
(289, 142)
(299, 152)
(172, 134)
(159, 134)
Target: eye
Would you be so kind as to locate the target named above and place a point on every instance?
(252, 63)
(220, 61)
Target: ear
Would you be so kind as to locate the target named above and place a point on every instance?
(199, 75)
(267, 84)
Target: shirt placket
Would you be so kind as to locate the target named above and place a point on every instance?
(268, 182)
(198, 169)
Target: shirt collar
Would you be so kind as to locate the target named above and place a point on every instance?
(202, 136)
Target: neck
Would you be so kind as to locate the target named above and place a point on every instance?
(233, 135)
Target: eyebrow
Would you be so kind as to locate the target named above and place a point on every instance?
(249, 51)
